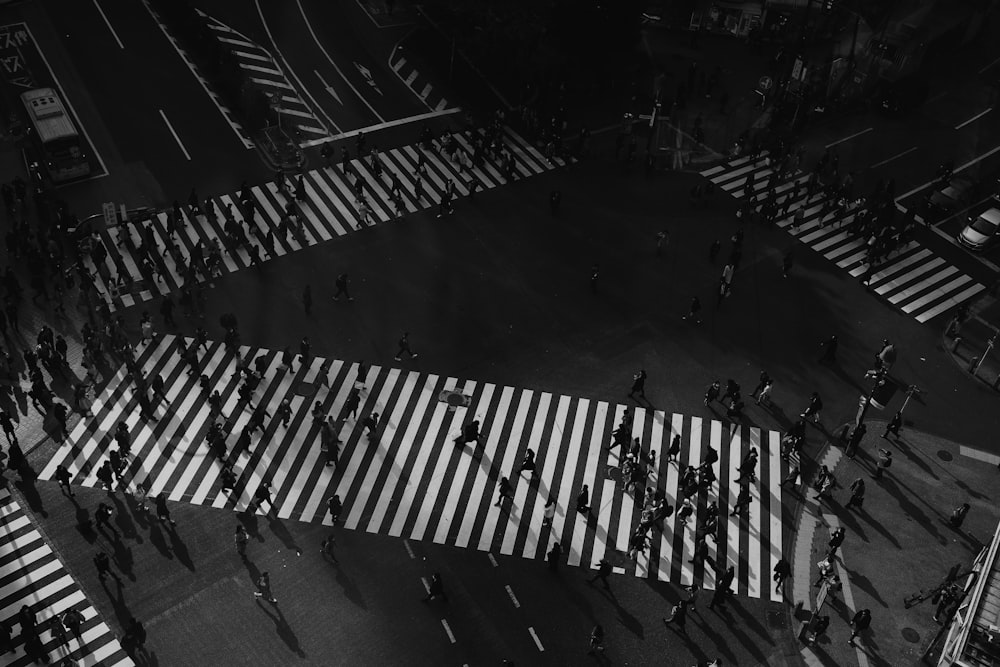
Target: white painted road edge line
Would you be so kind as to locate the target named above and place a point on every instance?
(409, 550)
(986, 67)
(898, 155)
(957, 170)
(538, 642)
(973, 119)
(848, 593)
(382, 126)
(978, 455)
(510, 592)
(856, 134)
(427, 586)
(335, 66)
(447, 628)
(176, 138)
(492, 559)
(105, 17)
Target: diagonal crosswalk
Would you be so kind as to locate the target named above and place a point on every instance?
(31, 574)
(407, 478)
(161, 257)
(913, 279)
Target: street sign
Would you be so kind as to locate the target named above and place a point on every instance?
(797, 69)
(110, 214)
(764, 84)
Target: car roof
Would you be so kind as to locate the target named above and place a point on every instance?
(992, 216)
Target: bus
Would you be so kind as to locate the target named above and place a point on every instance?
(56, 135)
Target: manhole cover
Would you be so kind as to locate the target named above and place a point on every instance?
(454, 399)
(911, 635)
(945, 455)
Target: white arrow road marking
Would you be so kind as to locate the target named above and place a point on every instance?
(328, 87)
(367, 73)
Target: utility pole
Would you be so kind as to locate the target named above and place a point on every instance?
(989, 346)
(877, 375)
(910, 392)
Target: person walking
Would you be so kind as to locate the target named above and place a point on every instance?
(604, 570)
(102, 517)
(103, 565)
(678, 616)
(712, 393)
(854, 440)
(528, 462)
(404, 346)
(505, 492)
(884, 461)
(596, 640)
(63, 477)
(761, 383)
(957, 517)
(693, 313)
(893, 426)
(435, 588)
(241, 540)
(782, 570)
(814, 407)
(674, 450)
(549, 511)
(861, 621)
(638, 384)
(555, 553)
(819, 628)
(857, 498)
(583, 501)
(162, 511)
(829, 350)
(836, 539)
(264, 588)
(341, 284)
(335, 507)
(262, 495)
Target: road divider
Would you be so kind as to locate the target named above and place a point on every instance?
(894, 157)
(110, 27)
(973, 119)
(447, 629)
(848, 138)
(176, 138)
(538, 642)
(383, 125)
(513, 598)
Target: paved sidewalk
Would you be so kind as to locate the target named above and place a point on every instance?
(972, 342)
(898, 544)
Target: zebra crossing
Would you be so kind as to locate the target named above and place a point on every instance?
(329, 209)
(416, 82)
(407, 478)
(31, 574)
(913, 279)
(267, 75)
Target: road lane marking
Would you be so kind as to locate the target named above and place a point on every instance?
(986, 67)
(382, 126)
(955, 171)
(534, 636)
(288, 68)
(510, 592)
(409, 549)
(842, 571)
(492, 559)
(110, 27)
(176, 138)
(986, 457)
(335, 66)
(330, 89)
(898, 155)
(856, 134)
(447, 628)
(973, 119)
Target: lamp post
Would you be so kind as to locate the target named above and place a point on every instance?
(877, 375)
(989, 346)
(910, 392)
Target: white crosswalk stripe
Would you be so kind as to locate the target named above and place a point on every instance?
(34, 576)
(409, 479)
(265, 72)
(328, 210)
(912, 279)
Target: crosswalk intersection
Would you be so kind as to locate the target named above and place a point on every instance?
(31, 574)
(329, 209)
(914, 279)
(408, 479)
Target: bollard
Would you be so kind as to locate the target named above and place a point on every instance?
(954, 347)
(973, 365)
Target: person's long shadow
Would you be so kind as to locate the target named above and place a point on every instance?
(877, 525)
(251, 524)
(751, 621)
(351, 590)
(862, 582)
(725, 614)
(123, 557)
(26, 485)
(157, 540)
(628, 621)
(851, 522)
(706, 627)
(123, 519)
(117, 598)
(914, 457)
(179, 548)
(281, 625)
(279, 530)
(903, 498)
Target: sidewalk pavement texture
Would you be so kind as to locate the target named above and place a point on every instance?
(896, 545)
(968, 347)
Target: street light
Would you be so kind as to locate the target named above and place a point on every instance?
(989, 346)
(877, 375)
